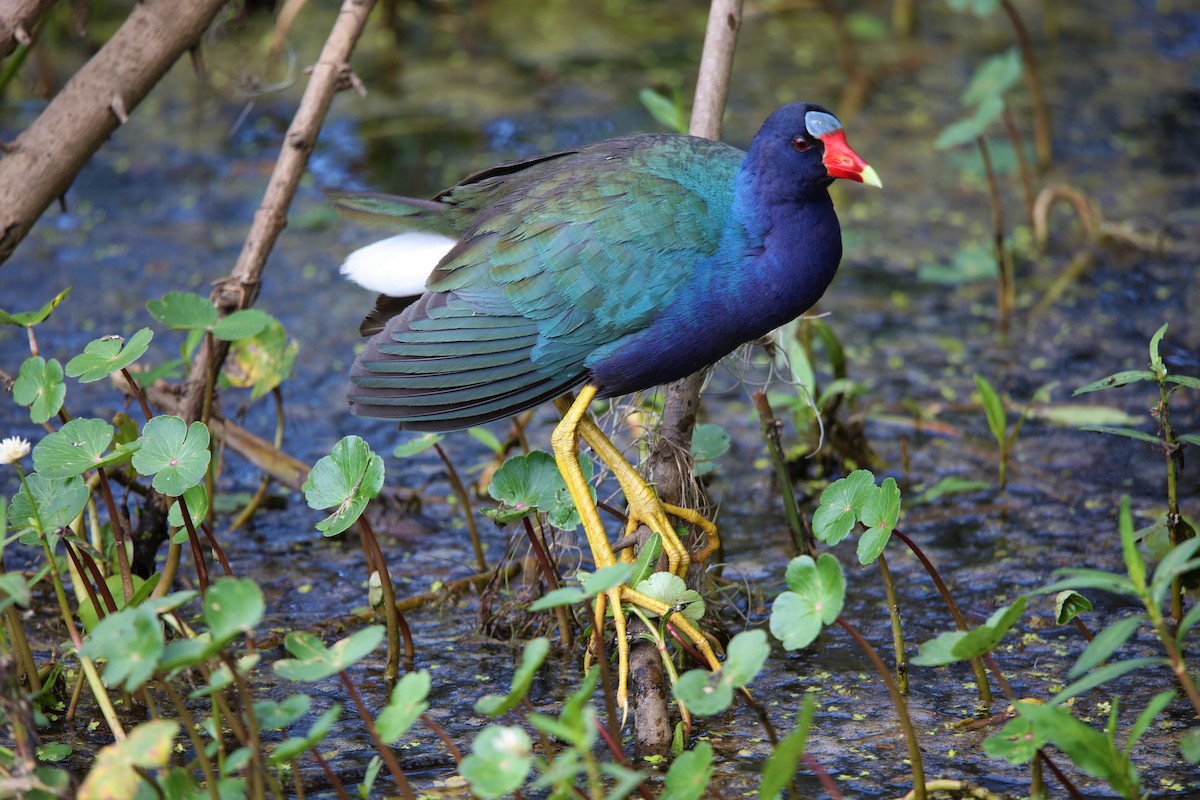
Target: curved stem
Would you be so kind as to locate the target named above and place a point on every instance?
(385, 752)
(910, 733)
(960, 622)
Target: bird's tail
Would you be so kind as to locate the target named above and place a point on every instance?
(395, 212)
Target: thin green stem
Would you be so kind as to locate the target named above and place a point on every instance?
(897, 626)
(189, 727)
(464, 499)
(397, 626)
(801, 538)
(985, 690)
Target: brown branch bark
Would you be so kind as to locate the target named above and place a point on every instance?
(240, 289)
(672, 473)
(18, 18)
(45, 159)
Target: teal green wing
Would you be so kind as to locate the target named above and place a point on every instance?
(564, 258)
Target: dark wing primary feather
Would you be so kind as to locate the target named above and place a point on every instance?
(560, 257)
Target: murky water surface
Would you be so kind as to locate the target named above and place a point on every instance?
(167, 202)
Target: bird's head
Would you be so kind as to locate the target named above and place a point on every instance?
(807, 142)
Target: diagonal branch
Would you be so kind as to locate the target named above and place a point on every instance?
(330, 73)
(45, 159)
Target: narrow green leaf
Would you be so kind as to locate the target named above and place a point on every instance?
(1128, 433)
(27, 319)
(1107, 642)
(417, 444)
(783, 762)
(1175, 563)
(993, 409)
(1156, 361)
(531, 660)
(1116, 379)
(1102, 675)
(1152, 710)
(1135, 565)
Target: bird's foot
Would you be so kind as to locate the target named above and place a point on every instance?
(620, 595)
(645, 508)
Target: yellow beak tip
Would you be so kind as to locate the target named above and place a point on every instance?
(871, 177)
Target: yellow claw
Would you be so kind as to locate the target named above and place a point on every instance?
(644, 508)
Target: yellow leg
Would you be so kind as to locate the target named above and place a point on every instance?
(644, 507)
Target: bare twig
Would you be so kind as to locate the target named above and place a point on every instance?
(45, 158)
(17, 19)
(241, 287)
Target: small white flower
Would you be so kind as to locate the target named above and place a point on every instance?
(13, 449)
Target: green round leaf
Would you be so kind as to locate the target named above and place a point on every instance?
(346, 480)
(499, 762)
(184, 311)
(841, 503)
(40, 388)
(232, 607)
(174, 453)
(73, 449)
(104, 356)
(407, 703)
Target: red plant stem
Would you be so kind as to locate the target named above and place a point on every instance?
(216, 548)
(1005, 293)
(464, 498)
(451, 747)
(610, 698)
(985, 690)
(815, 767)
(539, 551)
(118, 528)
(1058, 773)
(1083, 628)
(194, 541)
(1041, 113)
(330, 775)
(385, 752)
(87, 585)
(94, 569)
(910, 733)
(136, 388)
(687, 646)
(619, 755)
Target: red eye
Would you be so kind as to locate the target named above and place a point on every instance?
(800, 143)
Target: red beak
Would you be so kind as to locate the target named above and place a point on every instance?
(842, 162)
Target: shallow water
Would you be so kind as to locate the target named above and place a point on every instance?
(165, 204)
